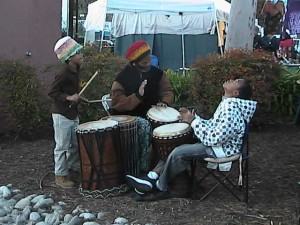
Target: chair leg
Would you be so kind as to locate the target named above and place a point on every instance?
(246, 184)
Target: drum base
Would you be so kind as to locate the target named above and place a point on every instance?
(113, 192)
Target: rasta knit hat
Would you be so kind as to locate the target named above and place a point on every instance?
(66, 47)
(137, 51)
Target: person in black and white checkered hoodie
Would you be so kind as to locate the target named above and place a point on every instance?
(220, 136)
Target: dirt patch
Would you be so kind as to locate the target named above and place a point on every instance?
(273, 195)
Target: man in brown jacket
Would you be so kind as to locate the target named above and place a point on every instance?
(136, 89)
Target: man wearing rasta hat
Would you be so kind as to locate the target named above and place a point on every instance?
(137, 88)
(64, 93)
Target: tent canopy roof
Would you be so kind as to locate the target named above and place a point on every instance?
(167, 6)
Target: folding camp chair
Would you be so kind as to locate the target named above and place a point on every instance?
(236, 185)
(106, 103)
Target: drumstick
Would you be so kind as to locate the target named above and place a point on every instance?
(100, 100)
(88, 83)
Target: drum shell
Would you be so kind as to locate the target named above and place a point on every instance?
(164, 146)
(159, 116)
(128, 143)
(155, 123)
(100, 159)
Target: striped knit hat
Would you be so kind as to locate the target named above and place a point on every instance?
(65, 48)
(137, 51)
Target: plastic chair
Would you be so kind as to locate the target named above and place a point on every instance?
(237, 186)
(106, 103)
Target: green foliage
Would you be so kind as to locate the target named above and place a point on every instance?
(20, 89)
(180, 84)
(211, 72)
(287, 93)
(108, 66)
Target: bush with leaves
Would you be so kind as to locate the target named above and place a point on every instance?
(108, 66)
(21, 92)
(180, 84)
(211, 72)
(287, 93)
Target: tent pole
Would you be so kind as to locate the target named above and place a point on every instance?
(182, 44)
(101, 41)
(218, 32)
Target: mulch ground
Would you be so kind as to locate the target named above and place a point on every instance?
(273, 188)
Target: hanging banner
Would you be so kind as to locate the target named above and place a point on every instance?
(292, 17)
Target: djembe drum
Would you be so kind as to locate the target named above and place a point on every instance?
(100, 159)
(159, 115)
(128, 141)
(169, 136)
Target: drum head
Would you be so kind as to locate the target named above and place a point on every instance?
(163, 114)
(121, 119)
(96, 125)
(171, 130)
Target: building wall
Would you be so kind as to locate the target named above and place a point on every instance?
(29, 30)
(30, 26)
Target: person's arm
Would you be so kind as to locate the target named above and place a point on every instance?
(56, 92)
(214, 132)
(165, 90)
(121, 102)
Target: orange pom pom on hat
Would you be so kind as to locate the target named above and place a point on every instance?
(137, 51)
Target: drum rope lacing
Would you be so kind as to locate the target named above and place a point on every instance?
(105, 193)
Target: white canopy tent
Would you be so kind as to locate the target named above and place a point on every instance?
(171, 17)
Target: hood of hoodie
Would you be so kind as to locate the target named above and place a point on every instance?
(247, 107)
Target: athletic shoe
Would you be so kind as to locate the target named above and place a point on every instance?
(143, 184)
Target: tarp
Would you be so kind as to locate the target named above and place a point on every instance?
(96, 16)
(135, 23)
(202, 11)
(178, 31)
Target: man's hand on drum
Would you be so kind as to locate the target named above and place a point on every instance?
(142, 88)
(186, 115)
(161, 104)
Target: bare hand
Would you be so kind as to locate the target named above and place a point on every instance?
(161, 104)
(73, 98)
(186, 115)
(83, 100)
(142, 88)
(77, 98)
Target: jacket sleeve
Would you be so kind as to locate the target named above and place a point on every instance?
(121, 102)
(56, 92)
(165, 90)
(215, 132)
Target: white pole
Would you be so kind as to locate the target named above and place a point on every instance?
(101, 41)
(182, 44)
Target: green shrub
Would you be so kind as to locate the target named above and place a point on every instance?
(108, 66)
(21, 93)
(180, 84)
(287, 93)
(211, 72)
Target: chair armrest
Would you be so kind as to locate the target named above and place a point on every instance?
(223, 160)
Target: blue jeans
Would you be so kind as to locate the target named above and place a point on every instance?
(66, 155)
(179, 160)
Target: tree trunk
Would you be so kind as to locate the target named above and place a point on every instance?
(241, 24)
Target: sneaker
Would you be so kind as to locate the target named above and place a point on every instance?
(142, 185)
(63, 182)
